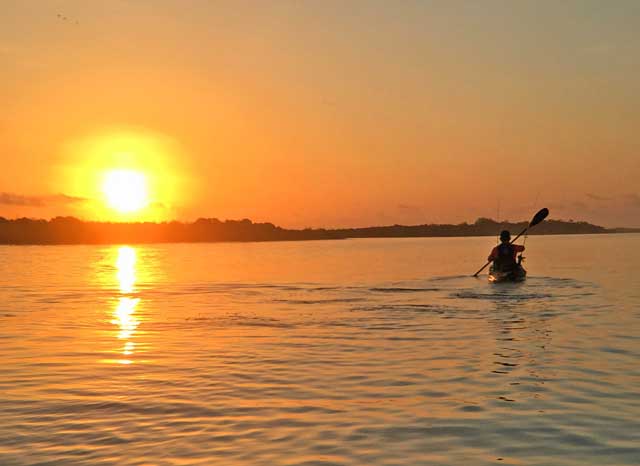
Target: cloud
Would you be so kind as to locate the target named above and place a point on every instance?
(408, 207)
(597, 197)
(18, 199)
(38, 201)
(633, 199)
(66, 199)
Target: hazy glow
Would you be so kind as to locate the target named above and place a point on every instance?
(124, 175)
(125, 190)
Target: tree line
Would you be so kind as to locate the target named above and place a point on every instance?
(70, 230)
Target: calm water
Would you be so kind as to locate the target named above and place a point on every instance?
(359, 352)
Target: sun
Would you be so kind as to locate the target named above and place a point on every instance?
(125, 190)
(124, 175)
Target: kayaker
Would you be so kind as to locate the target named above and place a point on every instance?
(504, 255)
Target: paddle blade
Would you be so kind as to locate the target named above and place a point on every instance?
(539, 217)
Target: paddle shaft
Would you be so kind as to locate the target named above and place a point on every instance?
(510, 242)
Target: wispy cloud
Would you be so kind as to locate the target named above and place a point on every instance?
(408, 207)
(597, 197)
(38, 201)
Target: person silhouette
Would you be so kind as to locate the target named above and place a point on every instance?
(504, 255)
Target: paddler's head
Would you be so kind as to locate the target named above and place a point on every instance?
(505, 236)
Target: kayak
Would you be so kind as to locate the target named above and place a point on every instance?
(519, 274)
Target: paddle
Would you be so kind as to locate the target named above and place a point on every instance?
(537, 218)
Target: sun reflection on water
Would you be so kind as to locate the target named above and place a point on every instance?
(126, 265)
(124, 313)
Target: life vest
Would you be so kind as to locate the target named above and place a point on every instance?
(506, 259)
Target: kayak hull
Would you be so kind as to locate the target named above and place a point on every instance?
(518, 274)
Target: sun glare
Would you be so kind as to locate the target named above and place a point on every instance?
(125, 190)
(124, 175)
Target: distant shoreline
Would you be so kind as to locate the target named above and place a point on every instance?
(69, 230)
(228, 241)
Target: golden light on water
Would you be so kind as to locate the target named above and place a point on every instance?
(126, 266)
(124, 313)
(125, 318)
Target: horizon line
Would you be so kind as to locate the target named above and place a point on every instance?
(479, 220)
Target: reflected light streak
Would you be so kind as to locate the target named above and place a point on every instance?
(126, 265)
(125, 318)
(124, 314)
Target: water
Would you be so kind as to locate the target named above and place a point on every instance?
(376, 352)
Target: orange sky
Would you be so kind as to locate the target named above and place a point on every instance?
(323, 113)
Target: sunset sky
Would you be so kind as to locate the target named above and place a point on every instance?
(320, 113)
